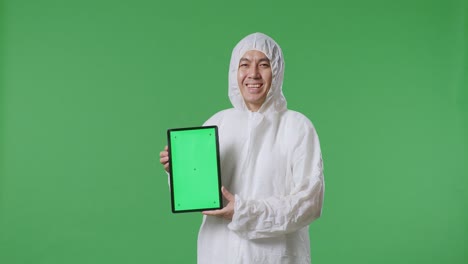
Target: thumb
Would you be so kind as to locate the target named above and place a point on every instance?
(227, 194)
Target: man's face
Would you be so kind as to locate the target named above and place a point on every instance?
(254, 78)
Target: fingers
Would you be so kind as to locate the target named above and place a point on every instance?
(228, 211)
(227, 194)
(225, 213)
(164, 155)
(215, 212)
(220, 212)
(164, 158)
(165, 152)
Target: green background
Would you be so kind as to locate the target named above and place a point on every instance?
(88, 89)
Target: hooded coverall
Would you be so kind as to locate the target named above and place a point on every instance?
(271, 161)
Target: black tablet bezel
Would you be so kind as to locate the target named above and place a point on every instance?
(220, 196)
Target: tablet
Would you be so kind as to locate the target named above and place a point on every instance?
(194, 167)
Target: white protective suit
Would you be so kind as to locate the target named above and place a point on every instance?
(271, 161)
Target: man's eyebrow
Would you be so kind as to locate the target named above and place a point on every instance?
(260, 60)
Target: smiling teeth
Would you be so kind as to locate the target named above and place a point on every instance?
(254, 85)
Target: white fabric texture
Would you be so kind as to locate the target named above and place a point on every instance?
(271, 161)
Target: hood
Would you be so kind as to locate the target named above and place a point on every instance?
(275, 100)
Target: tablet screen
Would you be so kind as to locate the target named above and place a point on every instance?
(194, 169)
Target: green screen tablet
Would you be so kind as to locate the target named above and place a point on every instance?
(194, 168)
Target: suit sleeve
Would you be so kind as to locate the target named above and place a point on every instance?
(279, 215)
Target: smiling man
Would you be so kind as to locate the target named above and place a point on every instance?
(271, 167)
(254, 78)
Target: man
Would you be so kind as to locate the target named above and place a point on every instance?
(271, 167)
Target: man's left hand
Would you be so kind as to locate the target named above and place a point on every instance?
(228, 211)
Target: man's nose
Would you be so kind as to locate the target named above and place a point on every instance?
(253, 72)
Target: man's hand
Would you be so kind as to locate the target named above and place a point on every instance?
(164, 158)
(228, 211)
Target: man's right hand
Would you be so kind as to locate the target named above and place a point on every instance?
(164, 158)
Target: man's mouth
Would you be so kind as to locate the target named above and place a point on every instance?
(256, 85)
(254, 88)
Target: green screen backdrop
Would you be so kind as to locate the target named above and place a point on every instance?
(89, 88)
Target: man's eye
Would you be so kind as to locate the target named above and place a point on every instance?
(243, 65)
(265, 65)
